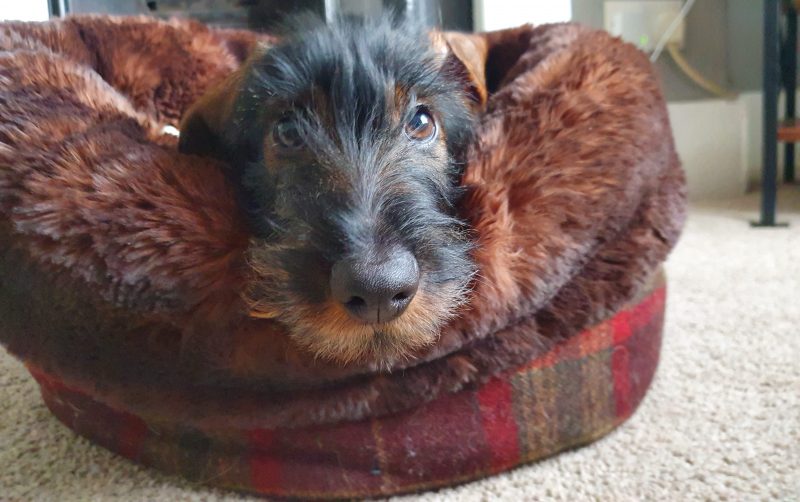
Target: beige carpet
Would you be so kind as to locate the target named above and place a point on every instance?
(722, 421)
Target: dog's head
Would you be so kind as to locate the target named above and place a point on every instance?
(346, 144)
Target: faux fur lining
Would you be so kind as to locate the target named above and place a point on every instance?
(122, 261)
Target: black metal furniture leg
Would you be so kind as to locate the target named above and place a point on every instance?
(771, 86)
(789, 60)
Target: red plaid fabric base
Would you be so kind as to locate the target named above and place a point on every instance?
(569, 397)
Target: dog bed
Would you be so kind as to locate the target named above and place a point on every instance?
(122, 268)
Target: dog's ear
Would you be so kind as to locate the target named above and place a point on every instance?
(207, 126)
(204, 127)
(465, 58)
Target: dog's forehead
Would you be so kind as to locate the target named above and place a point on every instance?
(353, 64)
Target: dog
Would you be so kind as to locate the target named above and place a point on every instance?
(346, 143)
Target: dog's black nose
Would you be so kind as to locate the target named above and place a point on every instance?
(376, 290)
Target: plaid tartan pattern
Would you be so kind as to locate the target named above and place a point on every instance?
(571, 396)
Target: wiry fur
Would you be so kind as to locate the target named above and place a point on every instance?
(357, 186)
(116, 251)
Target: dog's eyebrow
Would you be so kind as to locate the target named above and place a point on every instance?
(260, 79)
(413, 101)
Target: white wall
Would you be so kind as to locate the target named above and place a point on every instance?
(24, 10)
(720, 144)
(711, 137)
(498, 14)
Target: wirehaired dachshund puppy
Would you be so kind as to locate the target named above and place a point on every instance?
(346, 143)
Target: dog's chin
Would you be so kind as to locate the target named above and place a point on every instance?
(327, 331)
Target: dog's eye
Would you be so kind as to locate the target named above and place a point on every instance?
(286, 133)
(421, 127)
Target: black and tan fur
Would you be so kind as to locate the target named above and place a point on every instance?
(358, 184)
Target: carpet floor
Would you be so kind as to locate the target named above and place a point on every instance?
(721, 422)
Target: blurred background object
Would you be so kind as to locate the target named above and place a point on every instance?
(264, 15)
(463, 15)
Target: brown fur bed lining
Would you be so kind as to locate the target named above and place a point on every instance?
(121, 261)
